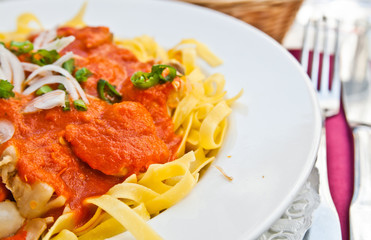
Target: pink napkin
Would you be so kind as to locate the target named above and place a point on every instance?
(340, 167)
(340, 163)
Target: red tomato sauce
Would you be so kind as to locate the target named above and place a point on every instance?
(20, 235)
(4, 192)
(83, 154)
(116, 65)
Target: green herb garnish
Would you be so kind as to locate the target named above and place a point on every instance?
(43, 90)
(108, 92)
(82, 74)
(61, 87)
(146, 80)
(6, 89)
(44, 57)
(69, 65)
(80, 105)
(19, 48)
(67, 106)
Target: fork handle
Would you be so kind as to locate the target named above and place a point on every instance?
(326, 224)
(360, 208)
(321, 164)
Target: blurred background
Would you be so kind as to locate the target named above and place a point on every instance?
(273, 17)
(285, 20)
(277, 17)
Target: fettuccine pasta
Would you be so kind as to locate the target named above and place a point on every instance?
(199, 112)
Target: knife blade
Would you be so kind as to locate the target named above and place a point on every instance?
(357, 106)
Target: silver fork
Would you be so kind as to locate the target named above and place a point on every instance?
(326, 224)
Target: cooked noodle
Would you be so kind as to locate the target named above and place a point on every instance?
(199, 114)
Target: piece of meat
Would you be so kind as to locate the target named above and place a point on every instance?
(121, 142)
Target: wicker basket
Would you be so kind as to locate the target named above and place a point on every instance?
(273, 17)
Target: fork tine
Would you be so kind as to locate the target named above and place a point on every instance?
(336, 85)
(325, 70)
(316, 56)
(304, 60)
(320, 62)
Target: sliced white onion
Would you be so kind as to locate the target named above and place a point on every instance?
(35, 79)
(46, 101)
(10, 62)
(59, 44)
(2, 75)
(29, 67)
(6, 130)
(18, 72)
(44, 38)
(5, 64)
(38, 41)
(47, 68)
(64, 58)
(62, 71)
(34, 85)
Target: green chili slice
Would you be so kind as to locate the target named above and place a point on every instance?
(108, 92)
(6, 89)
(146, 80)
(159, 69)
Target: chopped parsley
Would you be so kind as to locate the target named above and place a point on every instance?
(44, 57)
(69, 65)
(80, 105)
(19, 48)
(43, 90)
(6, 89)
(82, 74)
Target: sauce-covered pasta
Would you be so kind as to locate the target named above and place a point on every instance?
(99, 134)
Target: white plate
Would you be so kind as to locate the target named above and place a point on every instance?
(274, 128)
